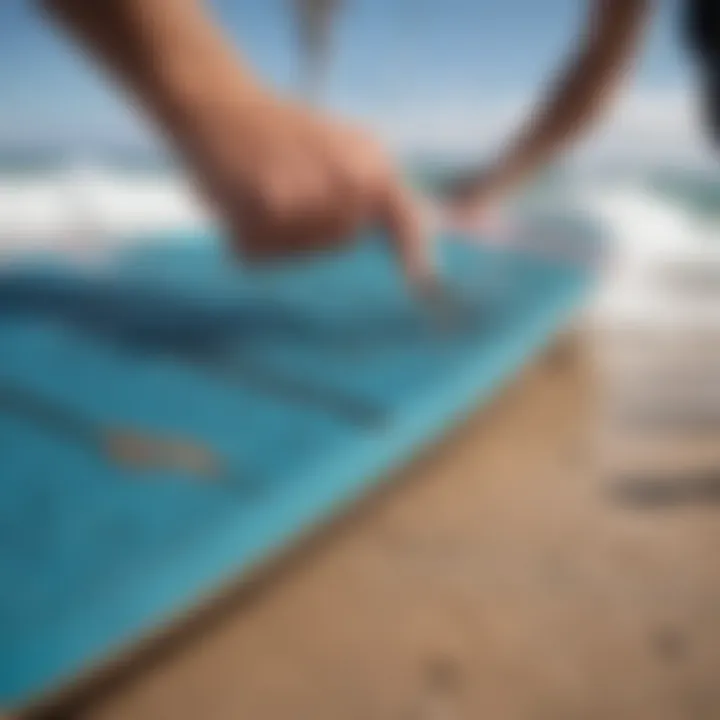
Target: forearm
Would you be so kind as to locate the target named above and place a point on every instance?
(167, 53)
(583, 92)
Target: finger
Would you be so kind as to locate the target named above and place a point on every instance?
(403, 220)
(332, 217)
(302, 235)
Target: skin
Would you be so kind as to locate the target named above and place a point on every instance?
(580, 98)
(285, 179)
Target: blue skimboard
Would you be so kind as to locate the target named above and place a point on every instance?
(306, 384)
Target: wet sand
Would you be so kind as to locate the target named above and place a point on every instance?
(496, 577)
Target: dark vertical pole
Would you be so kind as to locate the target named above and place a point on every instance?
(315, 20)
(703, 34)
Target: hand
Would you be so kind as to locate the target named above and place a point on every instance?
(282, 179)
(473, 203)
(286, 181)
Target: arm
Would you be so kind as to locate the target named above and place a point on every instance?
(167, 53)
(582, 94)
(282, 179)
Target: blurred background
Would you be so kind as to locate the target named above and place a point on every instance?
(632, 408)
(440, 83)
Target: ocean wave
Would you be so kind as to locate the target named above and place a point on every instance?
(84, 206)
(73, 208)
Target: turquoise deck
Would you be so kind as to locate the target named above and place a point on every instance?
(92, 557)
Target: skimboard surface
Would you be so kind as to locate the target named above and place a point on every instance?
(307, 383)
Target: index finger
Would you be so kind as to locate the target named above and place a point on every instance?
(403, 219)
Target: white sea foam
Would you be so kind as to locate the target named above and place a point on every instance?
(83, 207)
(86, 210)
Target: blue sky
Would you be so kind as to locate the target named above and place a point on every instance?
(427, 74)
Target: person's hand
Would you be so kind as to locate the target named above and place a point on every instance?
(286, 181)
(473, 203)
(283, 179)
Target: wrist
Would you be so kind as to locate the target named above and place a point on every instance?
(188, 85)
(187, 93)
(508, 175)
